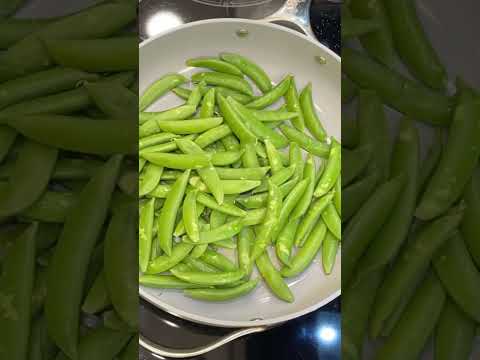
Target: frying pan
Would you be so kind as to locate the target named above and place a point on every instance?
(279, 50)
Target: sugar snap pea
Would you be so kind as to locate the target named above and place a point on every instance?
(115, 100)
(355, 162)
(331, 172)
(159, 88)
(209, 279)
(310, 145)
(293, 105)
(273, 278)
(222, 294)
(469, 226)
(165, 282)
(225, 80)
(309, 112)
(214, 64)
(271, 96)
(165, 262)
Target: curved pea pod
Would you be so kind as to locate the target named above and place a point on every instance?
(332, 219)
(207, 109)
(165, 262)
(354, 162)
(155, 139)
(215, 64)
(223, 232)
(23, 190)
(51, 207)
(177, 113)
(410, 267)
(309, 112)
(208, 279)
(430, 162)
(270, 221)
(418, 54)
(168, 214)
(469, 226)
(293, 104)
(406, 160)
(233, 119)
(40, 344)
(250, 69)
(305, 255)
(16, 284)
(332, 170)
(225, 208)
(7, 137)
(421, 313)
(159, 88)
(273, 278)
(356, 194)
(456, 163)
(273, 116)
(186, 127)
(378, 44)
(225, 80)
(190, 216)
(454, 334)
(330, 248)
(150, 179)
(208, 174)
(213, 135)
(222, 294)
(72, 255)
(274, 157)
(249, 158)
(453, 262)
(218, 260)
(165, 282)
(271, 96)
(145, 233)
(114, 99)
(97, 298)
(357, 304)
(229, 187)
(396, 90)
(120, 261)
(367, 222)
(306, 199)
(225, 158)
(285, 240)
(279, 178)
(258, 173)
(100, 137)
(310, 145)
(245, 241)
(177, 161)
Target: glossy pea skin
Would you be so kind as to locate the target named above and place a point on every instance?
(218, 261)
(312, 146)
(166, 220)
(226, 80)
(356, 194)
(214, 64)
(213, 135)
(245, 241)
(454, 333)
(222, 294)
(186, 127)
(332, 219)
(293, 105)
(418, 53)
(273, 115)
(115, 100)
(17, 279)
(274, 158)
(225, 158)
(396, 90)
(165, 262)
(258, 173)
(285, 240)
(421, 313)
(209, 279)
(305, 255)
(150, 178)
(165, 282)
(155, 140)
(177, 113)
(309, 112)
(273, 278)
(453, 262)
(225, 208)
(177, 161)
(233, 119)
(223, 232)
(159, 88)
(250, 69)
(207, 109)
(456, 163)
(271, 96)
(329, 252)
(23, 190)
(278, 179)
(332, 170)
(410, 267)
(190, 216)
(77, 242)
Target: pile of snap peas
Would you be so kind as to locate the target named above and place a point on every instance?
(215, 173)
(411, 253)
(68, 185)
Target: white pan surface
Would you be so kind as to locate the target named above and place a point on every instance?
(279, 51)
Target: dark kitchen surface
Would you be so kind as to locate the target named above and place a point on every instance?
(311, 337)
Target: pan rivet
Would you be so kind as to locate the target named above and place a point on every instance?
(321, 60)
(242, 33)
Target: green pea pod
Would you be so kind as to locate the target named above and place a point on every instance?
(209, 279)
(280, 178)
(305, 255)
(13, 30)
(159, 88)
(225, 158)
(273, 278)
(101, 137)
(177, 113)
(213, 135)
(208, 174)
(406, 160)
(258, 173)
(214, 64)
(469, 225)
(418, 55)
(225, 80)
(245, 242)
(165, 282)
(271, 96)
(178, 161)
(293, 105)
(232, 118)
(40, 344)
(131, 351)
(238, 96)
(266, 231)
(453, 262)
(364, 225)
(454, 334)
(51, 207)
(218, 261)
(155, 139)
(274, 158)
(331, 172)
(356, 194)
(357, 302)
(111, 320)
(410, 267)
(165, 262)
(332, 220)
(273, 115)
(222, 294)
(422, 313)
(349, 133)
(188, 126)
(396, 90)
(310, 145)
(97, 298)
(309, 112)
(311, 217)
(250, 69)
(355, 162)
(190, 216)
(225, 208)
(72, 255)
(7, 137)
(16, 284)
(115, 100)
(379, 44)
(337, 196)
(150, 179)
(207, 109)
(456, 163)
(430, 162)
(354, 27)
(23, 189)
(145, 233)
(121, 264)
(285, 240)
(329, 252)
(166, 220)
(249, 158)
(225, 231)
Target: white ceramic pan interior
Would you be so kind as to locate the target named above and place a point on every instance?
(279, 51)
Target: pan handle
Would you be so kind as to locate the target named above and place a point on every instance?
(296, 12)
(164, 351)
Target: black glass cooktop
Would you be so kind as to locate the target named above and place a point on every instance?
(311, 337)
